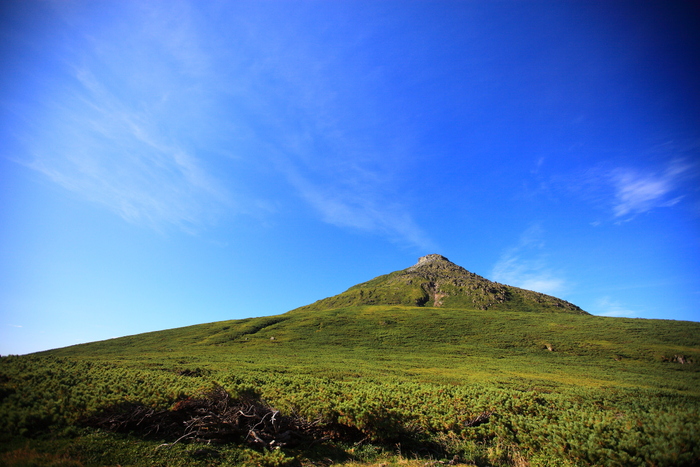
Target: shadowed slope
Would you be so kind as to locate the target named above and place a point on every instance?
(437, 282)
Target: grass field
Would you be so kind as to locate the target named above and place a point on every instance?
(377, 384)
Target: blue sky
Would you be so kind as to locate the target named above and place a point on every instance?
(172, 163)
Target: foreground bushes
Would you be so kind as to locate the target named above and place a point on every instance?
(47, 396)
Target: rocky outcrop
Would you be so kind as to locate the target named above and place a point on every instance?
(423, 260)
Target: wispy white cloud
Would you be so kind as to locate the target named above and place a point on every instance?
(607, 307)
(305, 105)
(623, 192)
(525, 265)
(355, 192)
(146, 92)
(122, 129)
(117, 156)
(638, 191)
(363, 209)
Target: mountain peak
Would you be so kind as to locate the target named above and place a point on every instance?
(429, 259)
(435, 281)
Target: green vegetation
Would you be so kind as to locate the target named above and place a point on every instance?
(396, 379)
(366, 383)
(437, 282)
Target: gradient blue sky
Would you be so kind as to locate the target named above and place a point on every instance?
(172, 163)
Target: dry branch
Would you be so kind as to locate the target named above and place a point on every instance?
(212, 418)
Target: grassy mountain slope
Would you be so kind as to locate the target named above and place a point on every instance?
(432, 361)
(433, 344)
(436, 282)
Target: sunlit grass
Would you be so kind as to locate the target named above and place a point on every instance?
(557, 383)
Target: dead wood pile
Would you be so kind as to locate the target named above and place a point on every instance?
(214, 417)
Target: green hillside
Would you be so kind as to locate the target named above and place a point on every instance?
(361, 379)
(436, 282)
(439, 344)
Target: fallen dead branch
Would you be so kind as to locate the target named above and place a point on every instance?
(216, 418)
(480, 419)
(213, 417)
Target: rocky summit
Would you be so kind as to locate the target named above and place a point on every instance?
(435, 281)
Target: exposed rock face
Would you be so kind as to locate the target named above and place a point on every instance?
(427, 259)
(682, 359)
(434, 281)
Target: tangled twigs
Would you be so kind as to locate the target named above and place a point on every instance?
(480, 419)
(215, 417)
(212, 418)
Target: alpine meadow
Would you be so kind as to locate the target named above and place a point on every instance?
(222, 229)
(425, 366)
